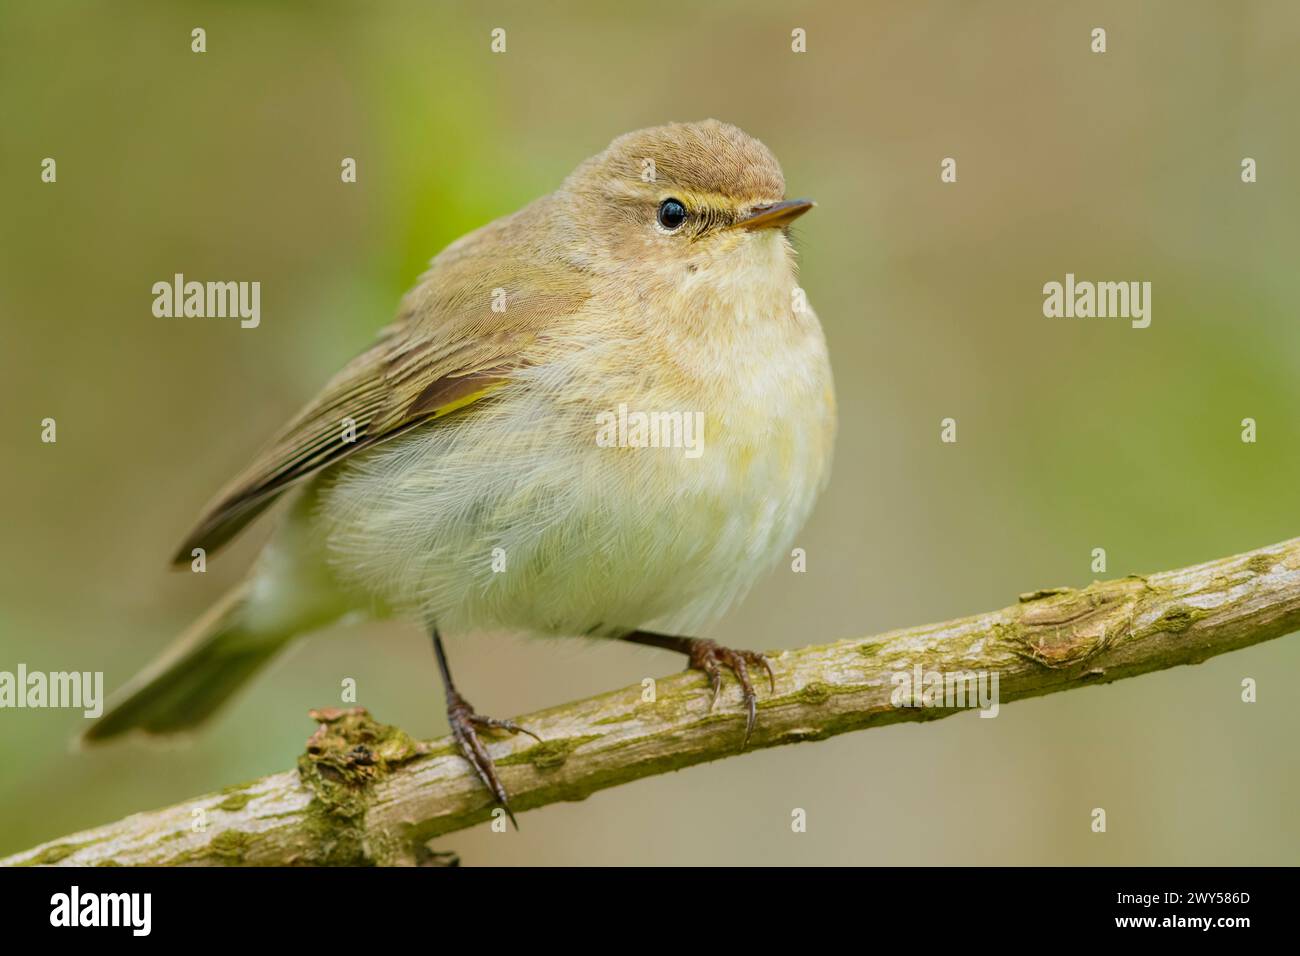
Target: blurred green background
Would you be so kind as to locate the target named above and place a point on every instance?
(1072, 434)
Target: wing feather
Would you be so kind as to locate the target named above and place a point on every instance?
(448, 349)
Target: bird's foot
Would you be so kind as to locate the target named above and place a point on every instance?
(711, 657)
(464, 727)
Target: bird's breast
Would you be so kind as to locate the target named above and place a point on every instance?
(628, 480)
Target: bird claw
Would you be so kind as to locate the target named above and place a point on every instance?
(710, 657)
(463, 720)
(496, 723)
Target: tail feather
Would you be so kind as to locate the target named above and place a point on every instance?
(193, 677)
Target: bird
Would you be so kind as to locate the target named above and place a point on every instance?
(602, 416)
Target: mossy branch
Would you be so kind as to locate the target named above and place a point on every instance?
(366, 793)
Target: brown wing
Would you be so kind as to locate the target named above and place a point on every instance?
(448, 348)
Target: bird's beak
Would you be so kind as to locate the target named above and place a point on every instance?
(775, 215)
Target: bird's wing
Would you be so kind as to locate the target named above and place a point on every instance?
(459, 336)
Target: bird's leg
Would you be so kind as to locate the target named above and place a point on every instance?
(711, 657)
(463, 720)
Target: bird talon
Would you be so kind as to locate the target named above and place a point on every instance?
(463, 720)
(756, 658)
(710, 657)
(496, 723)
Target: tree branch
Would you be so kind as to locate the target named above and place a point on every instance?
(366, 793)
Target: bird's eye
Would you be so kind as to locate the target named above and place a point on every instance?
(671, 214)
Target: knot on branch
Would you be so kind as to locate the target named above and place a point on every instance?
(1060, 627)
(349, 752)
(351, 747)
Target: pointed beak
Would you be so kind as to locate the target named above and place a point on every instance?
(775, 215)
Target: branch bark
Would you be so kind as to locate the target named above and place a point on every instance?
(366, 793)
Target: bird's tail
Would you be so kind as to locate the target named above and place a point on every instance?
(195, 675)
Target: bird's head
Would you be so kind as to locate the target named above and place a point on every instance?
(701, 200)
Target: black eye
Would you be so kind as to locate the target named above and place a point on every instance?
(671, 214)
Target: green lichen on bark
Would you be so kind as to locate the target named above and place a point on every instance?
(1043, 593)
(54, 854)
(236, 801)
(346, 756)
(814, 692)
(229, 846)
(1173, 621)
(548, 754)
(1261, 563)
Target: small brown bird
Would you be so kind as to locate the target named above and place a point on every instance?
(604, 415)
